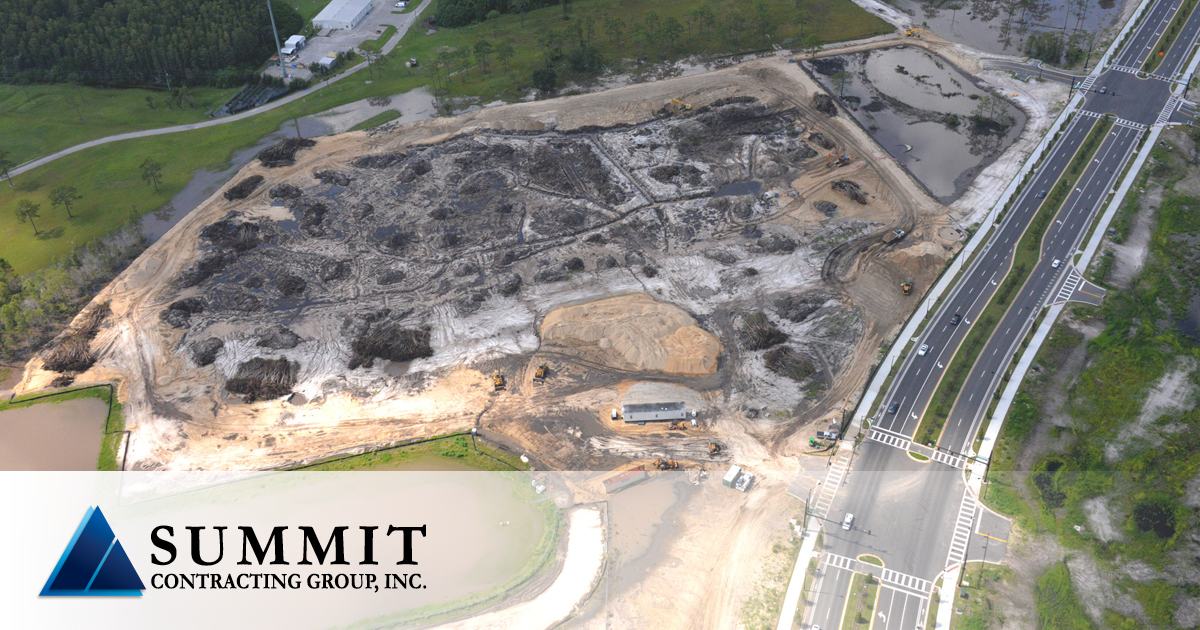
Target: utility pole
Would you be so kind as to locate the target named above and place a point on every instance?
(278, 52)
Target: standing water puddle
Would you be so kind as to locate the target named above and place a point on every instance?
(923, 111)
(1003, 27)
(53, 436)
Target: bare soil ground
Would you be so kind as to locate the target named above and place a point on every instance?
(473, 229)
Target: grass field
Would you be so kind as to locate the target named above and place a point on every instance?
(376, 120)
(455, 451)
(378, 43)
(860, 607)
(110, 181)
(308, 9)
(37, 120)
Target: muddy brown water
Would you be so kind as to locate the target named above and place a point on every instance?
(642, 523)
(53, 436)
(907, 99)
(988, 25)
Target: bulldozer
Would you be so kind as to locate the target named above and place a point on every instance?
(540, 373)
(914, 32)
(498, 380)
(713, 448)
(906, 287)
(666, 464)
(678, 426)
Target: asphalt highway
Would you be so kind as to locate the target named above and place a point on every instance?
(914, 514)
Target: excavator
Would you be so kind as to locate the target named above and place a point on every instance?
(678, 426)
(666, 464)
(498, 380)
(914, 32)
(713, 448)
(681, 106)
(540, 374)
(834, 159)
(906, 287)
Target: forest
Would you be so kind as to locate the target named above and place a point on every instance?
(138, 42)
(453, 13)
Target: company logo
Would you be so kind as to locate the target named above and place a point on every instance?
(94, 563)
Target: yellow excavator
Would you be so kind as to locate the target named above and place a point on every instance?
(666, 464)
(833, 159)
(713, 448)
(681, 106)
(906, 287)
(678, 426)
(914, 32)
(497, 380)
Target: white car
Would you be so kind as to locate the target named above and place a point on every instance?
(401, 5)
(848, 521)
(1056, 263)
(924, 348)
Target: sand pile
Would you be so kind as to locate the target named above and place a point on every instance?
(918, 256)
(636, 330)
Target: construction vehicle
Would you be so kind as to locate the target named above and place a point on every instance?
(833, 159)
(666, 464)
(498, 380)
(540, 374)
(906, 287)
(893, 236)
(678, 426)
(713, 448)
(680, 105)
(914, 32)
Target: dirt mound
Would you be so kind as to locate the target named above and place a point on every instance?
(379, 160)
(797, 308)
(821, 140)
(824, 103)
(242, 189)
(180, 311)
(392, 342)
(827, 208)
(277, 338)
(285, 191)
(912, 260)
(759, 333)
(787, 362)
(283, 153)
(637, 330)
(204, 352)
(851, 190)
(261, 378)
(332, 177)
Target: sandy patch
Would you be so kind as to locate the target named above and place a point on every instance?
(636, 330)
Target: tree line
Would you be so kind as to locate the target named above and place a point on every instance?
(138, 42)
(452, 13)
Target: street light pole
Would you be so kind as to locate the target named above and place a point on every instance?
(276, 33)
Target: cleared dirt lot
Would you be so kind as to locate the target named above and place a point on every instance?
(385, 291)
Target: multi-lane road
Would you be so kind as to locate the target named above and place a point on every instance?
(915, 516)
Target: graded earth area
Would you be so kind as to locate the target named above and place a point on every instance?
(361, 290)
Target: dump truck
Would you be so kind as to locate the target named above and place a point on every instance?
(540, 374)
(666, 464)
(893, 236)
(906, 287)
(497, 380)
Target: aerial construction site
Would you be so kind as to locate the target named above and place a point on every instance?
(726, 240)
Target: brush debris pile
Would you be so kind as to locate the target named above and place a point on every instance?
(283, 153)
(242, 189)
(261, 379)
(73, 352)
(852, 190)
(759, 333)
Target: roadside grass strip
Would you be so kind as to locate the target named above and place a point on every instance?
(1025, 258)
(860, 602)
(1169, 36)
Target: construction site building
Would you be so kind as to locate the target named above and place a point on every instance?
(623, 480)
(654, 412)
(342, 14)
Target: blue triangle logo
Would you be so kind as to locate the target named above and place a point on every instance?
(94, 563)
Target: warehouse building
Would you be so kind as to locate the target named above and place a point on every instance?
(654, 412)
(342, 14)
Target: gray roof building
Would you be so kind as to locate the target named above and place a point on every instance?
(654, 412)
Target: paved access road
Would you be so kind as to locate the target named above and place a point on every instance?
(916, 515)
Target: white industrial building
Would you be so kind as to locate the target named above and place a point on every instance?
(342, 14)
(654, 412)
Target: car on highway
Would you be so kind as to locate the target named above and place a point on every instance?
(1104, 90)
(923, 349)
(848, 521)
(1056, 263)
(894, 407)
(1041, 195)
(954, 320)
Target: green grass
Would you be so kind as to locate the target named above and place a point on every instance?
(1156, 599)
(762, 608)
(378, 43)
(412, 5)
(979, 606)
(37, 120)
(308, 9)
(1025, 258)
(109, 458)
(110, 182)
(869, 559)
(456, 449)
(1168, 38)
(376, 120)
(1057, 606)
(861, 606)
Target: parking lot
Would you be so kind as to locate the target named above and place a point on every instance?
(335, 41)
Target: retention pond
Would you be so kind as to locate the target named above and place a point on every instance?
(935, 120)
(53, 436)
